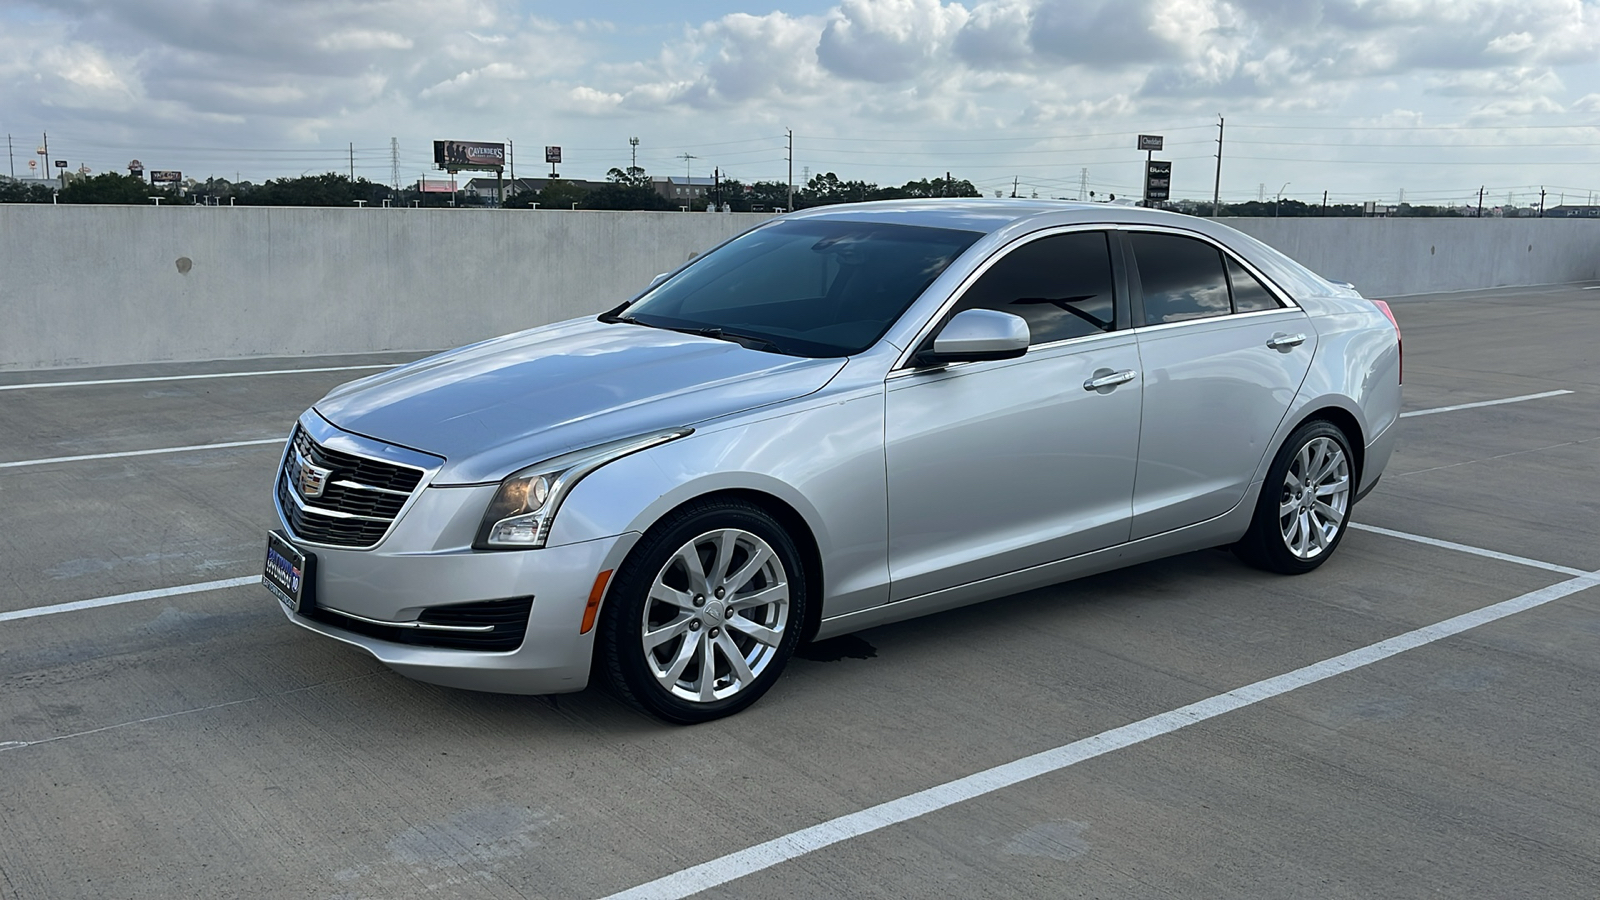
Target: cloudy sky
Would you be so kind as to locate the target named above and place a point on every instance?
(1362, 98)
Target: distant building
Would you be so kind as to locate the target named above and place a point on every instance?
(1572, 212)
(484, 188)
(682, 190)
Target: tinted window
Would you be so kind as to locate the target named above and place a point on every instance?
(1182, 278)
(1249, 295)
(1061, 285)
(810, 287)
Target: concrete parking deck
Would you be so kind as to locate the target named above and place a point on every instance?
(162, 740)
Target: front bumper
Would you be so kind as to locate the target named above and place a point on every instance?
(427, 562)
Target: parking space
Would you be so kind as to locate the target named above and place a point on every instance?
(197, 744)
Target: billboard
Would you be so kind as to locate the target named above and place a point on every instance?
(164, 176)
(454, 156)
(1158, 181)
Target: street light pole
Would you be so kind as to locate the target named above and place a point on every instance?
(1279, 201)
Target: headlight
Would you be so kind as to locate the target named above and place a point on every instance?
(520, 514)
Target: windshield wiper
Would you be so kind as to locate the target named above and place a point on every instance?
(750, 341)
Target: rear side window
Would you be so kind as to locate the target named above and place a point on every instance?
(1182, 278)
(1060, 285)
(1249, 294)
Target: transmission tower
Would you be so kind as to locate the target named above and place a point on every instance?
(394, 163)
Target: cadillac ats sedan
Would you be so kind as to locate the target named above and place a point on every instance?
(843, 417)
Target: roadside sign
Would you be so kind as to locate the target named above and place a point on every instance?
(61, 164)
(1157, 181)
(160, 176)
(1150, 141)
(552, 154)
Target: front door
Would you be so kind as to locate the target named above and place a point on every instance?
(999, 466)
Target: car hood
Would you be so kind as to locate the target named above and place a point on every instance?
(492, 408)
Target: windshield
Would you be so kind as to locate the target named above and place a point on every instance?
(807, 288)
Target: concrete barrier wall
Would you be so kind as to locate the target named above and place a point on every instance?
(107, 285)
(1394, 257)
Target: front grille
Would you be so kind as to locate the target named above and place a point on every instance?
(359, 501)
(509, 619)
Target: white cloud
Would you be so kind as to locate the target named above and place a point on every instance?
(888, 40)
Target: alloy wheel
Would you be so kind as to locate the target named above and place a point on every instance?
(1315, 498)
(715, 615)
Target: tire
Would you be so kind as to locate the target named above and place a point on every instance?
(717, 587)
(1297, 525)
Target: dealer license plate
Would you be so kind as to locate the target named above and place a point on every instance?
(288, 571)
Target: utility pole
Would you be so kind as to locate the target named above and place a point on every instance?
(11, 158)
(46, 172)
(790, 132)
(1324, 203)
(352, 161)
(1541, 201)
(1216, 187)
(394, 163)
(1014, 180)
(511, 159)
(688, 180)
(716, 183)
(1480, 201)
(1083, 184)
(946, 191)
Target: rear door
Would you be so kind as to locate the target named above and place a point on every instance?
(1223, 355)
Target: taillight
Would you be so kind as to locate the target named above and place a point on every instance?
(1389, 314)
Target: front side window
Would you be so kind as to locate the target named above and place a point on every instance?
(1182, 278)
(809, 287)
(1061, 285)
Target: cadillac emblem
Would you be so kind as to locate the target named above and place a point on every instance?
(310, 480)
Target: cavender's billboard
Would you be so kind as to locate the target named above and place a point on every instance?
(454, 156)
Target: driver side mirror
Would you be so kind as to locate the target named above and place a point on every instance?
(974, 335)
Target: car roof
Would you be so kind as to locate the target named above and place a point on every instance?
(988, 215)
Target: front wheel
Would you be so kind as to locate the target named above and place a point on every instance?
(1305, 502)
(705, 613)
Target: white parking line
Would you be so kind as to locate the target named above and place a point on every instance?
(1464, 548)
(57, 384)
(722, 870)
(134, 597)
(1440, 409)
(24, 463)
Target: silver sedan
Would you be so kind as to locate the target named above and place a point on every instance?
(844, 417)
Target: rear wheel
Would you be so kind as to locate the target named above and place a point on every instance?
(705, 613)
(1304, 504)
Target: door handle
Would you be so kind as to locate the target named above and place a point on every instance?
(1105, 378)
(1286, 342)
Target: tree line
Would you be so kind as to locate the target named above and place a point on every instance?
(623, 189)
